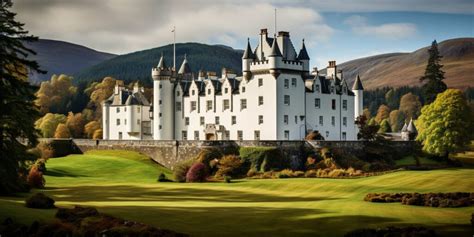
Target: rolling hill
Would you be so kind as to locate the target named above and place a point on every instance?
(137, 65)
(58, 57)
(405, 69)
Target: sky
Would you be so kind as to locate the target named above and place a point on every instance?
(338, 30)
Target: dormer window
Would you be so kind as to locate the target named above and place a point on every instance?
(226, 90)
(317, 88)
(243, 89)
(193, 92)
(208, 91)
(332, 89)
(177, 93)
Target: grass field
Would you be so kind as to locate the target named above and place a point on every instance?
(124, 184)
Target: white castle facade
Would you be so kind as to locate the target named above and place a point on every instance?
(276, 98)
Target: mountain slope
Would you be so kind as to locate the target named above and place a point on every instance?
(137, 65)
(405, 69)
(58, 57)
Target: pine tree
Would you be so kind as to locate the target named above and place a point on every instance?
(17, 110)
(434, 76)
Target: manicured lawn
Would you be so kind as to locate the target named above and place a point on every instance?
(124, 184)
(410, 160)
(466, 157)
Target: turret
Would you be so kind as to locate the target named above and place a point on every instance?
(304, 57)
(358, 90)
(275, 56)
(163, 102)
(185, 71)
(247, 59)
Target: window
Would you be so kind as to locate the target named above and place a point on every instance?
(138, 109)
(260, 100)
(217, 120)
(160, 127)
(161, 86)
(344, 121)
(160, 102)
(243, 104)
(321, 120)
(260, 119)
(344, 104)
(240, 135)
(327, 133)
(118, 109)
(227, 135)
(193, 92)
(344, 136)
(333, 104)
(118, 121)
(201, 120)
(196, 135)
(260, 82)
(317, 103)
(285, 119)
(286, 100)
(177, 93)
(286, 84)
(125, 109)
(344, 90)
(226, 104)
(234, 120)
(125, 121)
(243, 89)
(226, 90)
(209, 105)
(138, 122)
(293, 82)
(287, 134)
(184, 134)
(186, 121)
(296, 119)
(317, 88)
(333, 121)
(208, 91)
(178, 106)
(193, 105)
(256, 135)
(332, 89)
(160, 114)
(120, 136)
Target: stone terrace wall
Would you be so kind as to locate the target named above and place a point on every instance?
(169, 153)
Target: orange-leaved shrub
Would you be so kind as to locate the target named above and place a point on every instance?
(197, 173)
(35, 178)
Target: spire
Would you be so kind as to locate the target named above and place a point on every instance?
(248, 54)
(162, 63)
(275, 49)
(411, 127)
(303, 55)
(357, 84)
(184, 69)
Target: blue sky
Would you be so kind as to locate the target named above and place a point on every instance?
(338, 30)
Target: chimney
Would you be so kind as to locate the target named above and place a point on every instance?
(331, 70)
(339, 74)
(284, 33)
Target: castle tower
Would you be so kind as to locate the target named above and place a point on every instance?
(163, 102)
(358, 90)
(247, 59)
(106, 119)
(274, 58)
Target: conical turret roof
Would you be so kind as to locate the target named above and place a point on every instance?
(357, 84)
(248, 54)
(275, 49)
(303, 55)
(162, 63)
(184, 69)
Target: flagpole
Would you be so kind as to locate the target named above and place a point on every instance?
(174, 48)
(275, 21)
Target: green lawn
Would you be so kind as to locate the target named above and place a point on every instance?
(124, 184)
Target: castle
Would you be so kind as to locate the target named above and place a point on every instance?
(276, 98)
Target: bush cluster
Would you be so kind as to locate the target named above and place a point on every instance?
(197, 173)
(458, 199)
(35, 177)
(40, 201)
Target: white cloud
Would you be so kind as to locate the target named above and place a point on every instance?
(360, 26)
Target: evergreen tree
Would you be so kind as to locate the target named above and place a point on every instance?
(434, 76)
(17, 110)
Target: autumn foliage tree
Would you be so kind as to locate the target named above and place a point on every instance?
(98, 93)
(397, 119)
(382, 113)
(445, 125)
(410, 105)
(62, 131)
(90, 128)
(75, 124)
(48, 123)
(56, 96)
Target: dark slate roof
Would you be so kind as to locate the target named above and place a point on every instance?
(128, 98)
(217, 86)
(357, 84)
(275, 50)
(234, 83)
(248, 54)
(201, 87)
(303, 55)
(185, 85)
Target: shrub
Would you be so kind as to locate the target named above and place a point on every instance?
(251, 173)
(40, 165)
(287, 173)
(314, 135)
(46, 150)
(263, 158)
(35, 178)
(197, 173)
(227, 179)
(209, 157)
(40, 201)
(181, 169)
(162, 178)
(229, 165)
(310, 174)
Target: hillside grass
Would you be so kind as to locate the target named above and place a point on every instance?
(123, 184)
